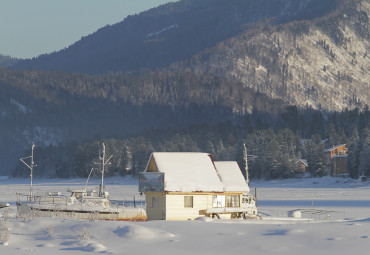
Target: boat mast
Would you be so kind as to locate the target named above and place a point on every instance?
(246, 165)
(104, 162)
(31, 166)
(88, 178)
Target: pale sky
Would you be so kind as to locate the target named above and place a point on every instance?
(29, 28)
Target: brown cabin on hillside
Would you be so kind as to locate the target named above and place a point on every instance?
(302, 167)
(336, 160)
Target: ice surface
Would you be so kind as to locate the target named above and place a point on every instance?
(345, 232)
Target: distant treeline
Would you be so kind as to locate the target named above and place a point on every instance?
(274, 147)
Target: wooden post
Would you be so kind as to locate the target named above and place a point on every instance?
(255, 195)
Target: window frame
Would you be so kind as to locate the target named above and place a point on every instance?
(233, 201)
(188, 202)
(218, 201)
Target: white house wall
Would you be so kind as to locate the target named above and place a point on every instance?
(175, 206)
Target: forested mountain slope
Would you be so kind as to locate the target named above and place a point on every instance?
(6, 61)
(274, 150)
(172, 32)
(52, 107)
(309, 53)
(195, 64)
(322, 63)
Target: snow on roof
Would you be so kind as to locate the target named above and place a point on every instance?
(334, 147)
(231, 176)
(188, 171)
(304, 161)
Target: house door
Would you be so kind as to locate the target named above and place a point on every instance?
(218, 201)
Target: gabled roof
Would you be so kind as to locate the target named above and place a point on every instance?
(187, 171)
(231, 176)
(304, 161)
(335, 147)
(196, 172)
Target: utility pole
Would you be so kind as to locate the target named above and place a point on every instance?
(31, 166)
(246, 165)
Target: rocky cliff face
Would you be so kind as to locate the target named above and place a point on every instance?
(323, 64)
(309, 53)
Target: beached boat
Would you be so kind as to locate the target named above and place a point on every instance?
(80, 204)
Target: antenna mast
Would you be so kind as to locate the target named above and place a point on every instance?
(31, 166)
(246, 165)
(104, 162)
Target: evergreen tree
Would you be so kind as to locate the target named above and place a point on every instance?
(353, 159)
(316, 158)
(364, 155)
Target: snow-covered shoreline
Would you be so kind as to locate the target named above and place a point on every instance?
(346, 230)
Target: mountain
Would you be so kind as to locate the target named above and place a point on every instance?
(321, 63)
(170, 33)
(49, 108)
(192, 63)
(309, 53)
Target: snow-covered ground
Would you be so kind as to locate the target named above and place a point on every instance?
(335, 220)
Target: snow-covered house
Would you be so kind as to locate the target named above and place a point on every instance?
(184, 185)
(302, 167)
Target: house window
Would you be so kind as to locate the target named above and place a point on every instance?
(155, 202)
(218, 201)
(246, 200)
(188, 201)
(233, 201)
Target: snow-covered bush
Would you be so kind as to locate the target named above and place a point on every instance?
(85, 235)
(4, 227)
(25, 217)
(50, 229)
(4, 233)
(93, 216)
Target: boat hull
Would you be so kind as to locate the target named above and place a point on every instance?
(121, 214)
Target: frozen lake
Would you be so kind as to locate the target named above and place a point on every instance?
(335, 220)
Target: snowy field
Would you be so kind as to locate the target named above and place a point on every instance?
(335, 220)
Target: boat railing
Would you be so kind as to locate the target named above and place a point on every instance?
(43, 199)
(63, 200)
(23, 197)
(130, 202)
